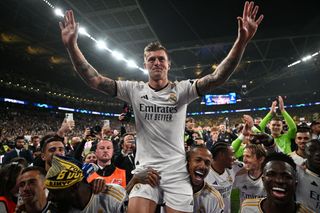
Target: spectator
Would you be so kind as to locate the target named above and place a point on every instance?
(107, 170)
(125, 160)
(18, 151)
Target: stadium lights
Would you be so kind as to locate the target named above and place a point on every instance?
(304, 59)
(99, 44)
(58, 12)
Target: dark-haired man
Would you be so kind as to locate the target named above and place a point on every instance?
(302, 137)
(280, 180)
(18, 151)
(223, 171)
(33, 191)
(308, 189)
(160, 107)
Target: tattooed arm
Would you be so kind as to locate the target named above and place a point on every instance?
(247, 27)
(69, 33)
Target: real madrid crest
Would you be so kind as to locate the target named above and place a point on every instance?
(172, 97)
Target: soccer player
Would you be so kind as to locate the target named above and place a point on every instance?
(308, 189)
(160, 107)
(280, 181)
(223, 171)
(248, 180)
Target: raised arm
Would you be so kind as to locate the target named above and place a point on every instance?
(247, 27)
(69, 34)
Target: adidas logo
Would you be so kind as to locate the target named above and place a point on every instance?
(215, 183)
(314, 183)
(245, 187)
(145, 97)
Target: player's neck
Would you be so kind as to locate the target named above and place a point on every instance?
(37, 206)
(255, 174)
(301, 153)
(158, 84)
(218, 168)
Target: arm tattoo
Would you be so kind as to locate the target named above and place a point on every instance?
(108, 86)
(94, 79)
(218, 77)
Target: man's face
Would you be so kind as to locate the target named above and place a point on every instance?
(19, 143)
(227, 158)
(157, 64)
(214, 135)
(190, 125)
(129, 143)
(279, 181)
(301, 139)
(316, 128)
(52, 148)
(222, 128)
(276, 127)
(199, 165)
(36, 142)
(31, 187)
(251, 163)
(104, 151)
(91, 158)
(313, 155)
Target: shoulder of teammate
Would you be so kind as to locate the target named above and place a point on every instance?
(215, 194)
(116, 192)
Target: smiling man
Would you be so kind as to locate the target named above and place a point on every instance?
(160, 106)
(280, 181)
(206, 198)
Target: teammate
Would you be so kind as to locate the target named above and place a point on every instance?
(283, 141)
(159, 105)
(248, 180)
(279, 179)
(308, 189)
(223, 171)
(303, 135)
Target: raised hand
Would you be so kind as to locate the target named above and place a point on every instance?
(281, 103)
(248, 24)
(69, 29)
(273, 107)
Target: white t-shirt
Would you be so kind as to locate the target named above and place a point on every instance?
(208, 200)
(297, 158)
(308, 189)
(249, 188)
(223, 183)
(113, 199)
(160, 122)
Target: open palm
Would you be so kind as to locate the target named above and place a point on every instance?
(69, 29)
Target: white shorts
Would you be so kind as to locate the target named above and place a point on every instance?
(177, 195)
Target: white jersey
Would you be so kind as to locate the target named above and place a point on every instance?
(297, 158)
(114, 199)
(208, 200)
(160, 122)
(223, 183)
(308, 189)
(254, 206)
(248, 187)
